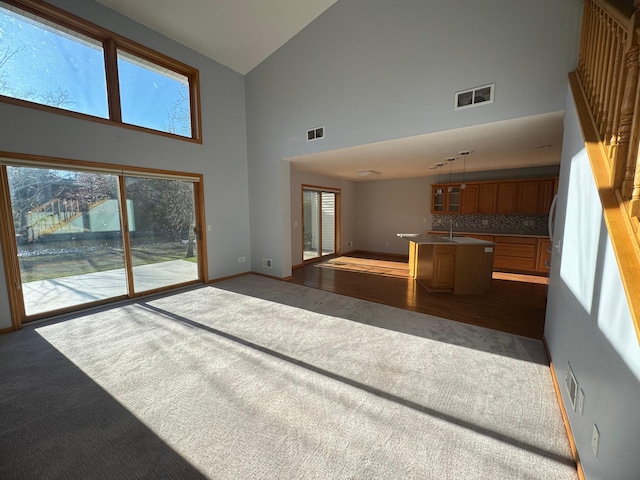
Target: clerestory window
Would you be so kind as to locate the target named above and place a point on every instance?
(50, 59)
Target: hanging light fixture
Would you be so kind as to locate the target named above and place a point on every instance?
(439, 167)
(464, 154)
(450, 160)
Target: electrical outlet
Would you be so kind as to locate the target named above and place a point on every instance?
(595, 440)
(485, 223)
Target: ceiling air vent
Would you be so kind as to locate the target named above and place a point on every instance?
(475, 96)
(315, 134)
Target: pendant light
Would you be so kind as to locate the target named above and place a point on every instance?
(464, 154)
(450, 160)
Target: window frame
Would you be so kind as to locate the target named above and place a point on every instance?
(111, 43)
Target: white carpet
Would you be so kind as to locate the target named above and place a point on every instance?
(253, 378)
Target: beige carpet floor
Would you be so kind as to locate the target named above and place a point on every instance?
(254, 378)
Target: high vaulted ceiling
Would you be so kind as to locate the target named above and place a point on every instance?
(240, 34)
(236, 33)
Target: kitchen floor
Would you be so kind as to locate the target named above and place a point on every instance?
(515, 303)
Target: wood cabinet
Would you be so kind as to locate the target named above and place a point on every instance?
(446, 198)
(535, 196)
(516, 254)
(435, 266)
(507, 197)
(458, 268)
(469, 201)
(438, 198)
(546, 192)
(543, 257)
(528, 197)
(444, 267)
(487, 197)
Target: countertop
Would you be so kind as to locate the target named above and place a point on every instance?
(442, 239)
(501, 233)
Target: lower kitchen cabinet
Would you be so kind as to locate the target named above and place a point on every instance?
(543, 259)
(517, 254)
(436, 266)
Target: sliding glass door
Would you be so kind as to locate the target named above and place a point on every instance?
(319, 209)
(78, 243)
(162, 232)
(68, 235)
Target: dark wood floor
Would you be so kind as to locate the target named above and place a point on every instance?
(515, 303)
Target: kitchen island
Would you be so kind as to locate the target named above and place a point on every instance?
(450, 263)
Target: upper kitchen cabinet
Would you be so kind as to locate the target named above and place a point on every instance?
(487, 197)
(548, 189)
(507, 197)
(535, 196)
(445, 198)
(469, 200)
(530, 196)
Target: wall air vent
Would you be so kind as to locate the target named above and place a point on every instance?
(476, 96)
(315, 134)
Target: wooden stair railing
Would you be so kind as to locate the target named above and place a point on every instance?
(606, 88)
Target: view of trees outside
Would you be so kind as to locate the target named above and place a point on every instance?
(42, 64)
(66, 222)
(165, 209)
(63, 215)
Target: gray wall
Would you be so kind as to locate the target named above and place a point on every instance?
(222, 157)
(374, 70)
(388, 207)
(588, 324)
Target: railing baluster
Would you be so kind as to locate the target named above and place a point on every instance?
(609, 72)
(611, 137)
(626, 116)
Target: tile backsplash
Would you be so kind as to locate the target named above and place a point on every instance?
(516, 224)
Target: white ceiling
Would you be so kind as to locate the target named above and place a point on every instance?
(240, 34)
(519, 143)
(236, 33)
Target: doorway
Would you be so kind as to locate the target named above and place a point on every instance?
(320, 212)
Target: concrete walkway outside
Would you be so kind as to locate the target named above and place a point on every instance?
(47, 295)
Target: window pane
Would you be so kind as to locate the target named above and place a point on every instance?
(328, 222)
(311, 220)
(41, 63)
(162, 232)
(153, 97)
(68, 235)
